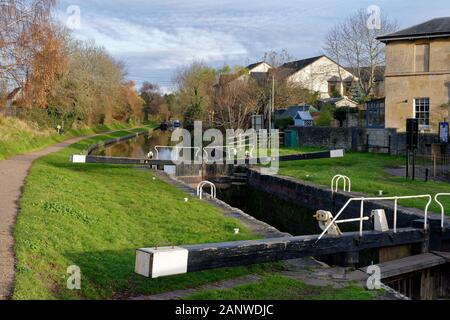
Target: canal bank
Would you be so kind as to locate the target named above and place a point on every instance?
(288, 205)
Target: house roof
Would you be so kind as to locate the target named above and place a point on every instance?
(304, 115)
(292, 112)
(336, 100)
(438, 27)
(254, 65)
(300, 64)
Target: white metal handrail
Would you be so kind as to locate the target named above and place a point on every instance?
(337, 179)
(202, 185)
(229, 150)
(361, 219)
(177, 148)
(436, 198)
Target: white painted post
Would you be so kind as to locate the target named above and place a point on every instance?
(361, 222)
(161, 262)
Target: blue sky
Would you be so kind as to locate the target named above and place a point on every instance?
(155, 37)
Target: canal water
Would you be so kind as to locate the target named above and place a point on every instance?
(140, 146)
(281, 214)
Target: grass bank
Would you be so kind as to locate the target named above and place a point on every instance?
(277, 287)
(368, 175)
(95, 216)
(18, 137)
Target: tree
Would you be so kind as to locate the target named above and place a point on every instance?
(93, 90)
(32, 47)
(354, 45)
(153, 100)
(286, 93)
(235, 103)
(326, 116)
(195, 92)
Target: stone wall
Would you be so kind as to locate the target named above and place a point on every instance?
(363, 139)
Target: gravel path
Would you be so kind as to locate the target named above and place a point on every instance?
(13, 173)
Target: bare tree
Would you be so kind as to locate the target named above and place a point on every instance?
(354, 45)
(276, 59)
(235, 103)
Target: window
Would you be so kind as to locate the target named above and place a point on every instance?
(422, 63)
(309, 123)
(332, 88)
(422, 112)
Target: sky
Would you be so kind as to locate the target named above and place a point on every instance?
(155, 38)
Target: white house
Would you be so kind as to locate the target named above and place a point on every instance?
(261, 66)
(320, 74)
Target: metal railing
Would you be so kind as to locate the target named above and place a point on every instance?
(230, 151)
(176, 149)
(361, 219)
(202, 185)
(436, 199)
(337, 179)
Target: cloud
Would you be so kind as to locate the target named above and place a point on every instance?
(156, 37)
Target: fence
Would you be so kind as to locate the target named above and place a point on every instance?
(433, 167)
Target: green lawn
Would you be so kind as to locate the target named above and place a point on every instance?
(366, 170)
(18, 137)
(95, 216)
(276, 287)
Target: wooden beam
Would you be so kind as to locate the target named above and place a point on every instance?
(230, 254)
(146, 161)
(119, 160)
(410, 264)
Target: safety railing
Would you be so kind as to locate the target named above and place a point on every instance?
(361, 219)
(200, 187)
(337, 179)
(436, 199)
(177, 149)
(230, 151)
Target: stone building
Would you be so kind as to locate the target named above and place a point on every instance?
(417, 78)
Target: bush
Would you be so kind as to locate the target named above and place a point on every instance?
(326, 116)
(283, 124)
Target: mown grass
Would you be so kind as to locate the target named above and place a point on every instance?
(368, 175)
(18, 137)
(277, 287)
(95, 216)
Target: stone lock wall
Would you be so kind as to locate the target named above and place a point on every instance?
(316, 197)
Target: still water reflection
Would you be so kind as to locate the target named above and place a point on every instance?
(140, 146)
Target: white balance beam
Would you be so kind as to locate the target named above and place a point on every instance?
(161, 262)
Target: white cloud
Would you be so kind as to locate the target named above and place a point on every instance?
(154, 37)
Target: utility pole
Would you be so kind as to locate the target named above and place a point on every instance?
(272, 104)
